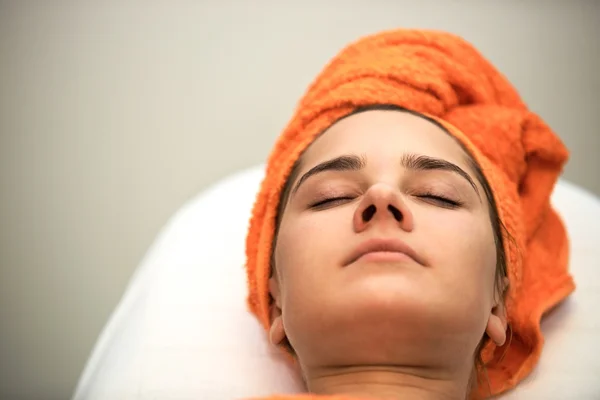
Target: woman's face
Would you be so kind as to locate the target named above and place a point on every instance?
(385, 252)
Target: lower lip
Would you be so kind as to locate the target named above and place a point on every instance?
(385, 256)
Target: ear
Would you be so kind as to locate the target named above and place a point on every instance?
(277, 331)
(497, 321)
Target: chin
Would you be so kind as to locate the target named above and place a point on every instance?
(387, 330)
(378, 340)
(387, 287)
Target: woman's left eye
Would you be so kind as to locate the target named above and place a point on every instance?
(440, 200)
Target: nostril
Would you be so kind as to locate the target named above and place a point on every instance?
(397, 214)
(368, 213)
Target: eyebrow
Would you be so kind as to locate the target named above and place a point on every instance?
(410, 161)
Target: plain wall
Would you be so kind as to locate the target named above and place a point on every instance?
(112, 115)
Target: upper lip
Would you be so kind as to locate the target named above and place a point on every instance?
(383, 244)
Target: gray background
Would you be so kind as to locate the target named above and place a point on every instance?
(112, 115)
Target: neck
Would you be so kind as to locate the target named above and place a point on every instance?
(389, 383)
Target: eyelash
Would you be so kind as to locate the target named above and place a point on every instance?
(445, 201)
(327, 202)
(440, 200)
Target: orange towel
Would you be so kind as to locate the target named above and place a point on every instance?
(442, 75)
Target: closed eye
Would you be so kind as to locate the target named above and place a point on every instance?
(440, 200)
(332, 201)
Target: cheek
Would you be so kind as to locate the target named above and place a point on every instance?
(306, 258)
(308, 248)
(463, 263)
(462, 246)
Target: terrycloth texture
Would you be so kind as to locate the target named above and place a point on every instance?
(443, 76)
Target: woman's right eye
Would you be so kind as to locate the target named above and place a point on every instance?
(331, 202)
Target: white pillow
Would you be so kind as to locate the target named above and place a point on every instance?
(182, 330)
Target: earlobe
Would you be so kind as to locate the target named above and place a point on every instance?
(277, 331)
(496, 330)
(498, 321)
(496, 326)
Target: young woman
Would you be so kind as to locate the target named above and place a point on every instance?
(403, 245)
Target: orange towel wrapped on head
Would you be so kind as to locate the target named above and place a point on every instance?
(443, 76)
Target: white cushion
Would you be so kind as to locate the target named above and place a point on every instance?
(182, 330)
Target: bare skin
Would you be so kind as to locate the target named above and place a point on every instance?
(389, 383)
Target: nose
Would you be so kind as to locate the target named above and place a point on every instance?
(382, 204)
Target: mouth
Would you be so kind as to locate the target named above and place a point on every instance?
(383, 250)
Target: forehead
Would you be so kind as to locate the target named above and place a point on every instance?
(383, 135)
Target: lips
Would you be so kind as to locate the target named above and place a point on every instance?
(383, 245)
